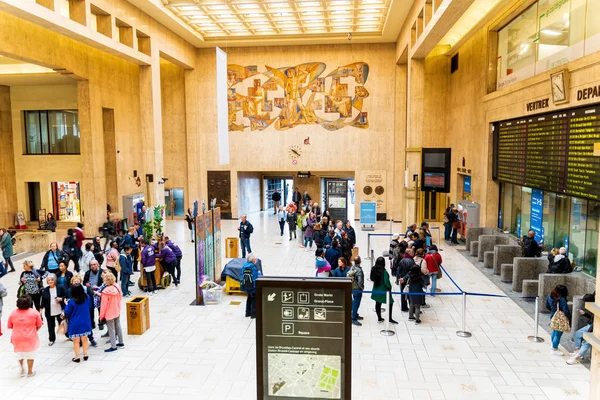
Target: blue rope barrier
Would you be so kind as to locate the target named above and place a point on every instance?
(500, 295)
(450, 277)
(408, 293)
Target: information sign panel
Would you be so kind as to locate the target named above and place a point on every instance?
(303, 335)
(368, 212)
(337, 199)
(537, 210)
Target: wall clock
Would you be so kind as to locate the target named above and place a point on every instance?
(295, 152)
(560, 87)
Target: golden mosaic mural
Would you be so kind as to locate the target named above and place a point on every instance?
(293, 96)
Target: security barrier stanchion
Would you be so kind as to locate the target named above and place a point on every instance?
(369, 247)
(387, 331)
(535, 338)
(391, 225)
(464, 332)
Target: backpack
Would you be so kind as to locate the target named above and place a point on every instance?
(247, 281)
(118, 264)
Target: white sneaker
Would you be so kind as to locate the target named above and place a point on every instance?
(573, 354)
(154, 292)
(572, 361)
(556, 352)
(22, 373)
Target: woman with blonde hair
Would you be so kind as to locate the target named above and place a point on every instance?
(110, 311)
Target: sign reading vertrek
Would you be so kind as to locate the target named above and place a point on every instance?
(303, 338)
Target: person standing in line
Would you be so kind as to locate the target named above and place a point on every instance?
(346, 247)
(557, 301)
(302, 222)
(53, 257)
(415, 284)
(110, 311)
(25, 322)
(126, 269)
(148, 264)
(404, 266)
(448, 223)
(276, 197)
(434, 260)
(318, 235)
(246, 229)
(79, 238)
(53, 303)
(316, 210)
(309, 231)
(249, 275)
(80, 324)
(281, 218)
(7, 248)
(321, 264)
(381, 286)
(296, 198)
(189, 218)
(358, 285)
(351, 233)
(342, 269)
(178, 254)
(306, 199)
(291, 219)
(332, 254)
(455, 226)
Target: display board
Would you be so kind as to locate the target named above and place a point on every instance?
(209, 254)
(337, 199)
(218, 266)
(303, 338)
(201, 248)
(552, 152)
(368, 213)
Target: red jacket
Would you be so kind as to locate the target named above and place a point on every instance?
(79, 237)
(431, 263)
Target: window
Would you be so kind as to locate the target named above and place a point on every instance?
(51, 132)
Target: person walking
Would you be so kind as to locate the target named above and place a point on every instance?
(301, 223)
(52, 259)
(53, 303)
(246, 229)
(148, 264)
(69, 247)
(291, 219)
(79, 238)
(126, 264)
(2, 265)
(31, 284)
(556, 303)
(110, 311)
(249, 275)
(381, 286)
(80, 324)
(415, 284)
(296, 198)
(434, 260)
(281, 218)
(276, 197)
(358, 285)
(189, 218)
(7, 248)
(25, 324)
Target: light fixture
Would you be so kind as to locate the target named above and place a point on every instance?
(340, 3)
(309, 4)
(338, 12)
(188, 8)
(550, 32)
(370, 10)
(218, 7)
(279, 5)
(247, 6)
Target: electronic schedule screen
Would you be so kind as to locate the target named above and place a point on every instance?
(552, 152)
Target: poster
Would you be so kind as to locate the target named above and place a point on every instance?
(200, 243)
(217, 242)
(368, 213)
(209, 254)
(372, 187)
(537, 209)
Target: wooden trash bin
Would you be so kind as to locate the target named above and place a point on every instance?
(138, 315)
(231, 247)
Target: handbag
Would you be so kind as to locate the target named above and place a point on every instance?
(559, 322)
(63, 328)
(440, 275)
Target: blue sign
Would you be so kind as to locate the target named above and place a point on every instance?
(567, 244)
(467, 184)
(368, 213)
(500, 220)
(519, 226)
(537, 212)
(543, 235)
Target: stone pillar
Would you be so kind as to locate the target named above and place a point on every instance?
(8, 189)
(196, 170)
(93, 181)
(151, 125)
(398, 201)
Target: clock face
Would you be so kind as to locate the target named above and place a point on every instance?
(295, 152)
(558, 87)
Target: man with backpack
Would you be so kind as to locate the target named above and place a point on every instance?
(246, 229)
(358, 285)
(249, 275)
(6, 241)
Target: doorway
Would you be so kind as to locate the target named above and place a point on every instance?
(433, 205)
(285, 186)
(175, 202)
(129, 203)
(65, 201)
(35, 202)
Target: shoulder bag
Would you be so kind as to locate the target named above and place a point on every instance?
(559, 321)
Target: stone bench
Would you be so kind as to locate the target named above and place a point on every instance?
(474, 249)
(488, 259)
(577, 283)
(527, 268)
(35, 242)
(506, 273)
(530, 288)
(487, 243)
(505, 254)
(474, 233)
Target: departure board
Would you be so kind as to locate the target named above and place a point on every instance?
(552, 152)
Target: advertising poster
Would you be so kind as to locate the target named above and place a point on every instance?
(209, 254)
(217, 242)
(368, 213)
(303, 338)
(200, 243)
(537, 209)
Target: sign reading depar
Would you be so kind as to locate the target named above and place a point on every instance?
(588, 93)
(303, 338)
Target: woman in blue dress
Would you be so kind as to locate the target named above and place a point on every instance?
(80, 325)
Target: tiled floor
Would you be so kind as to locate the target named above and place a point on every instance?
(209, 353)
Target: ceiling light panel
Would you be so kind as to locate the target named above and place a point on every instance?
(214, 18)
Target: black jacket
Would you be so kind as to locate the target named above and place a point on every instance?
(404, 267)
(276, 196)
(351, 235)
(246, 229)
(60, 292)
(69, 245)
(60, 257)
(99, 281)
(531, 248)
(562, 266)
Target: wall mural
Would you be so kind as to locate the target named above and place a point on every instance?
(291, 96)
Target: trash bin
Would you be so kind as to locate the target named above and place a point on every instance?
(231, 247)
(138, 315)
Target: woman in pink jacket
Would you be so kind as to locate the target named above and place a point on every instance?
(110, 311)
(25, 322)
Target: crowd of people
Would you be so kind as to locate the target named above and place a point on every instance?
(70, 302)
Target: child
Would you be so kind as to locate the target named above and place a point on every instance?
(416, 284)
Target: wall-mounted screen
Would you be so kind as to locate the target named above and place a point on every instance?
(435, 173)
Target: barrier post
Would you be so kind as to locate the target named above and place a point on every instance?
(464, 332)
(369, 245)
(391, 225)
(387, 331)
(535, 338)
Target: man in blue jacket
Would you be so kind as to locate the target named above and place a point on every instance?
(246, 229)
(126, 264)
(248, 277)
